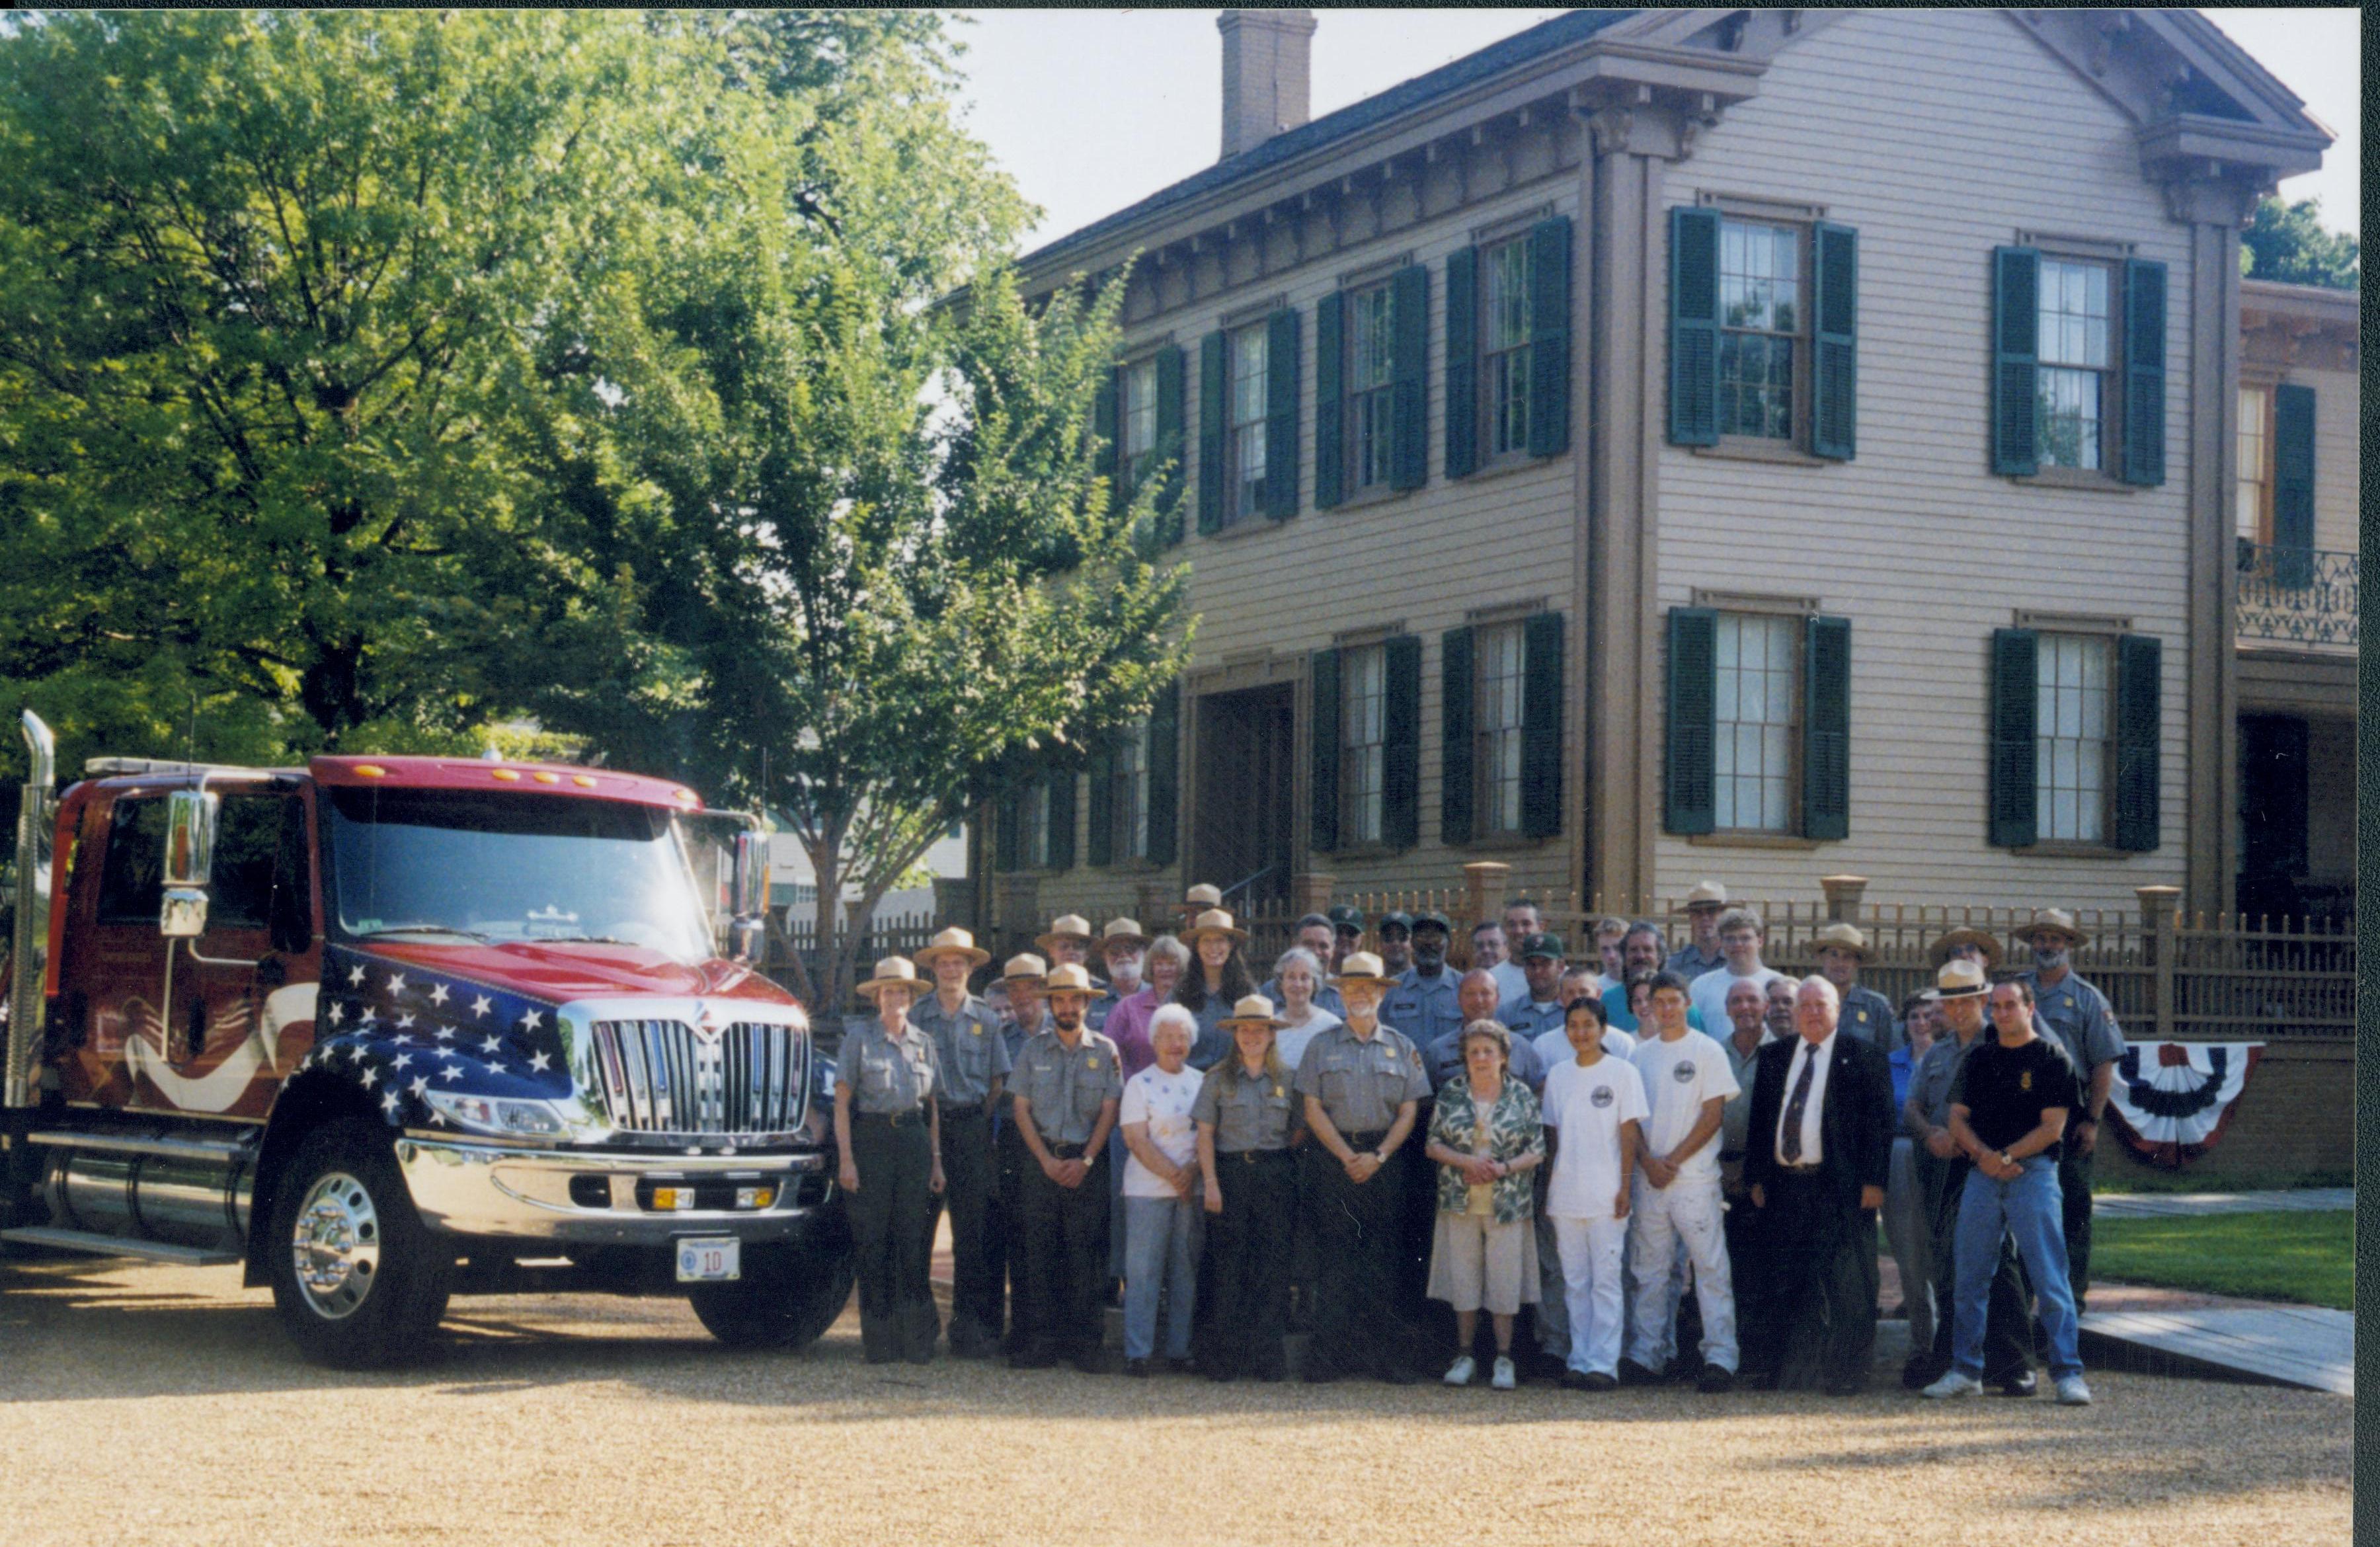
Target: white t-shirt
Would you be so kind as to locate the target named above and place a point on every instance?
(1587, 1106)
(1679, 1077)
(1292, 1039)
(1163, 1101)
(1709, 993)
(1553, 1047)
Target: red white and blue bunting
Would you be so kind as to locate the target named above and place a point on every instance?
(2172, 1100)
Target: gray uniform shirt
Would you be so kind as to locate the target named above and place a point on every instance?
(972, 1050)
(2079, 1016)
(886, 1075)
(1867, 1015)
(1690, 961)
(1424, 1008)
(1930, 1083)
(1360, 1083)
(1248, 1114)
(1066, 1087)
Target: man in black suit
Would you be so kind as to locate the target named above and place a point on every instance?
(1818, 1154)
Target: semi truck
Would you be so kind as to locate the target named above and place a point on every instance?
(381, 1031)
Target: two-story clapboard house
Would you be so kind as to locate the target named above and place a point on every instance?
(1667, 444)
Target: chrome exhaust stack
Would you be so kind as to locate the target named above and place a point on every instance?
(29, 951)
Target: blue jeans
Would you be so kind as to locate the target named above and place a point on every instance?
(2029, 1209)
(1161, 1257)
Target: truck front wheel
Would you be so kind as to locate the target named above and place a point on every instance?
(787, 1299)
(359, 1281)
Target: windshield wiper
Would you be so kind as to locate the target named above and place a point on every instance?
(577, 939)
(424, 929)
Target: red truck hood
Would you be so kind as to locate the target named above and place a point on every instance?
(559, 973)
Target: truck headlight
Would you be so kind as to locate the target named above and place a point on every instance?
(496, 1114)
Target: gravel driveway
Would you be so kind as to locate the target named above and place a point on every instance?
(162, 1403)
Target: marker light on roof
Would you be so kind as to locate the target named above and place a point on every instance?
(547, 778)
(582, 781)
(370, 771)
(686, 796)
(509, 775)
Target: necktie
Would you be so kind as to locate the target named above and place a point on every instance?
(1790, 1142)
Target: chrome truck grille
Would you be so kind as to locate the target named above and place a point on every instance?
(660, 1077)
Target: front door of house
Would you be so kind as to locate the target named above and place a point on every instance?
(1243, 801)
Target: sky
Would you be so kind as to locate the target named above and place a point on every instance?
(1091, 110)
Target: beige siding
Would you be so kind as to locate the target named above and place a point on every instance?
(2337, 448)
(1938, 134)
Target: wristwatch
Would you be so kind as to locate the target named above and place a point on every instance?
(2004, 1158)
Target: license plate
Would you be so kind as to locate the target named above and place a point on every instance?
(710, 1259)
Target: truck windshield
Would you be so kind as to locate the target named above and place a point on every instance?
(511, 868)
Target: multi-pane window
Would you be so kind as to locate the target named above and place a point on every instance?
(2074, 689)
(1504, 335)
(1129, 793)
(2076, 359)
(1761, 316)
(1136, 418)
(1033, 826)
(1372, 337)
(1496, 738)
(1246, 443)
(1363, 743)
(2255, 473)
(1759, 670)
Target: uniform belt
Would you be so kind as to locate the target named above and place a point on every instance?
(891, 1119)
(1250, 1157)
(1062, 1152)
(968, 1112)
(1365, 1140)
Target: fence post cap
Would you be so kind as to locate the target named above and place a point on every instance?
(2157, 901)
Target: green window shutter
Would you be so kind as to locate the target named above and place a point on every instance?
(1401, 744)
(2140, 660)
(1164, 773)
(1454, 709)
(1834, 365)
(2293, 485)
(2144, 372)
(1542, 726)
(1409, 377)
(1062, 819)
(1693, 326)
(1689, 784)
(1461, 362)
(2016, 359)
(1109, 456)
(1323, 737)
(1004, 832)
(1548, 338)
(1826, 729)
(1211, 394)
(2015, 796)
(1100, 841)
(1281, 415)
(1329, 416)
(1169, 441)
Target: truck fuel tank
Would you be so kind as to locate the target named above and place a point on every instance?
(155, 1183)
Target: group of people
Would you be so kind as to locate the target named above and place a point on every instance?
(1671, 1162)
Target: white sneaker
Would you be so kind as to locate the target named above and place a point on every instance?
(1461, 1372)
(1504, 1381)
(1955, 1384)
(2073, 1393)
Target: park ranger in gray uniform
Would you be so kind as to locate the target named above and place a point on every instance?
(2080, 1020)
(1842, 950)
(975, 1062)
(887, 1080)
(1066, 1087)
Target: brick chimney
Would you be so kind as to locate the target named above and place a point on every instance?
(1266, 75)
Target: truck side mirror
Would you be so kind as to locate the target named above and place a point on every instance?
(189, 862)
(747, 889)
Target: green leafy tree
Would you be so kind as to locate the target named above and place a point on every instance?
(2289, 243)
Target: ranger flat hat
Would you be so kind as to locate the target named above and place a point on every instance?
(1707, 894)
(1543, 945)
(1962, 980)
(1253, 1010)
(1346, 916)
(1843, 936)
(1066, 926)
(1122, 932)
(2055, 920)
(1362, 966)
(1066, 978)
(893, 972)
(1989, 945)
(1205, 894)
(1024, 967)
(1430, 917)
(957, 943)
(1214, 921)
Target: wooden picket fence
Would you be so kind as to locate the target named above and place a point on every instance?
(894, 935)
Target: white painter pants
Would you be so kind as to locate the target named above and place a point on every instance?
(1662, 1221)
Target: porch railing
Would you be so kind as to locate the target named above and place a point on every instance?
(2299, 596)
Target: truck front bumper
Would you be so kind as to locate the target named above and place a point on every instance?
(463, 1188)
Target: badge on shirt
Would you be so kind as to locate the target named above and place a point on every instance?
(1090, 1062)
(1278, 1092)
(2024, 1080)
(1682, 1073)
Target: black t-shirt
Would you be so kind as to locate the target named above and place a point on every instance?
(2005, 1089)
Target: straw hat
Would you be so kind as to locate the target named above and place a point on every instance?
(1707, 894)
(2054, 920)
(1362, 966)
(1027, 968)
(1847, 937)
(958, 941)
(1987, 944)
(1066, 978)
(1204, 895)
(1214, 921)
(1253, 1010)
(1066, 926)
(1122, 932)
(894, 972)
(1962, 980)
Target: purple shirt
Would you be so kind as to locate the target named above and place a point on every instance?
(1127, 1026)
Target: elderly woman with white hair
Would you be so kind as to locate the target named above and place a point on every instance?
(1300, 975)
(1487, 1136)
(1161, 1196)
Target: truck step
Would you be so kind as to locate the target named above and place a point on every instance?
(141, 1144)
(120, 1246)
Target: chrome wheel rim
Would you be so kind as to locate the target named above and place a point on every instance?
(336, 1245)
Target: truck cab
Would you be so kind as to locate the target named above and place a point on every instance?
(386, 1029)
